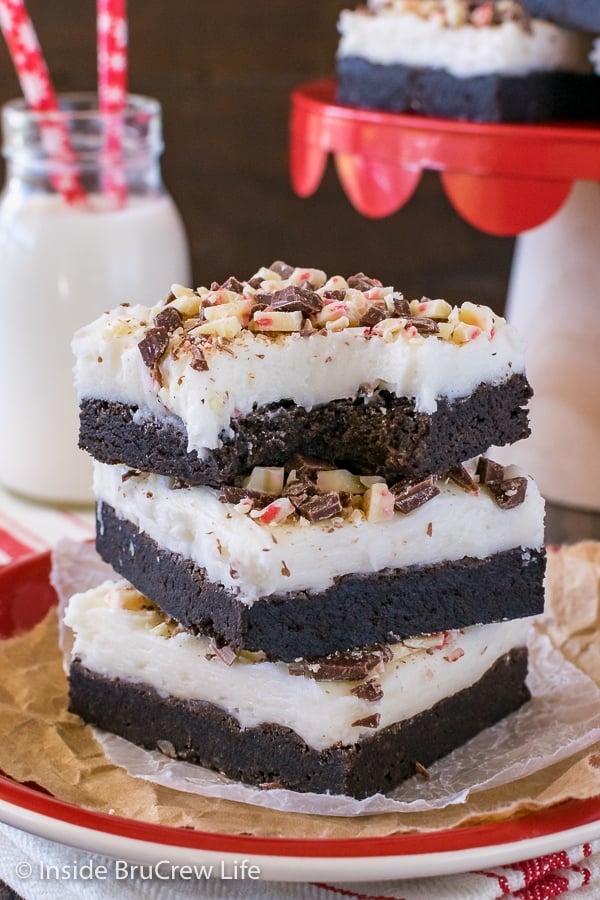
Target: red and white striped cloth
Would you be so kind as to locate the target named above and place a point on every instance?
(574, 872)
(25, 529)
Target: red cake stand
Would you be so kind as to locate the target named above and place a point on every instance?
(539, 182)
(503, 179)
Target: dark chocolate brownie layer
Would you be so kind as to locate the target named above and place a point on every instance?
(356, 611)
(538, 97)
(377, 434)
(583, 14)
(270, 754)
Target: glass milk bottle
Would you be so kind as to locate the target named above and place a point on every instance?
(63, 263)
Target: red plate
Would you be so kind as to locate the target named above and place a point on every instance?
(26, 596)
(502, 179)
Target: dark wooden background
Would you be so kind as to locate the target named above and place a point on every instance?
(223, 72)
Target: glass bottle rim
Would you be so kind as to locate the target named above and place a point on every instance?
(25, 131)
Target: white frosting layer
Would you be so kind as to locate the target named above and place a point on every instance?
(136, 645)
(393, 36)
(256, 560)
(253, 370)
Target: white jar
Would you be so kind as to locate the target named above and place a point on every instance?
(553, 301)
(61, 265)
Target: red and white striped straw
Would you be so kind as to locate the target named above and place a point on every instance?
(112, 90)
(34, 79)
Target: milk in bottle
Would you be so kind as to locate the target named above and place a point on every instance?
(61, 265)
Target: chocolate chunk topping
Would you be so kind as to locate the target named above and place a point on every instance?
(372, 316)
(232, 284)
(401, 307)
(299, 490)
(198, 361)
(362, 282)
(423, 324)
(231, 493)
(348, 665)
(294, 299)
(169, 318)
(489, 471)
(321, 506)
(422, 771)
(370, 690)
(371, 721)
(130, 473)
(307, 467)
(262, 300)
(461, 476)
(153, 345)
(509, 492)
(410, 496)
(345, 498)
(258, 305)
(225, 653)
(281, 268)
(297, 668)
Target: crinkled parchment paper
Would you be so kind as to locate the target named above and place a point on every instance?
(546, 753)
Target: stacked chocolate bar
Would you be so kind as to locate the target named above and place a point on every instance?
(328, 581)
